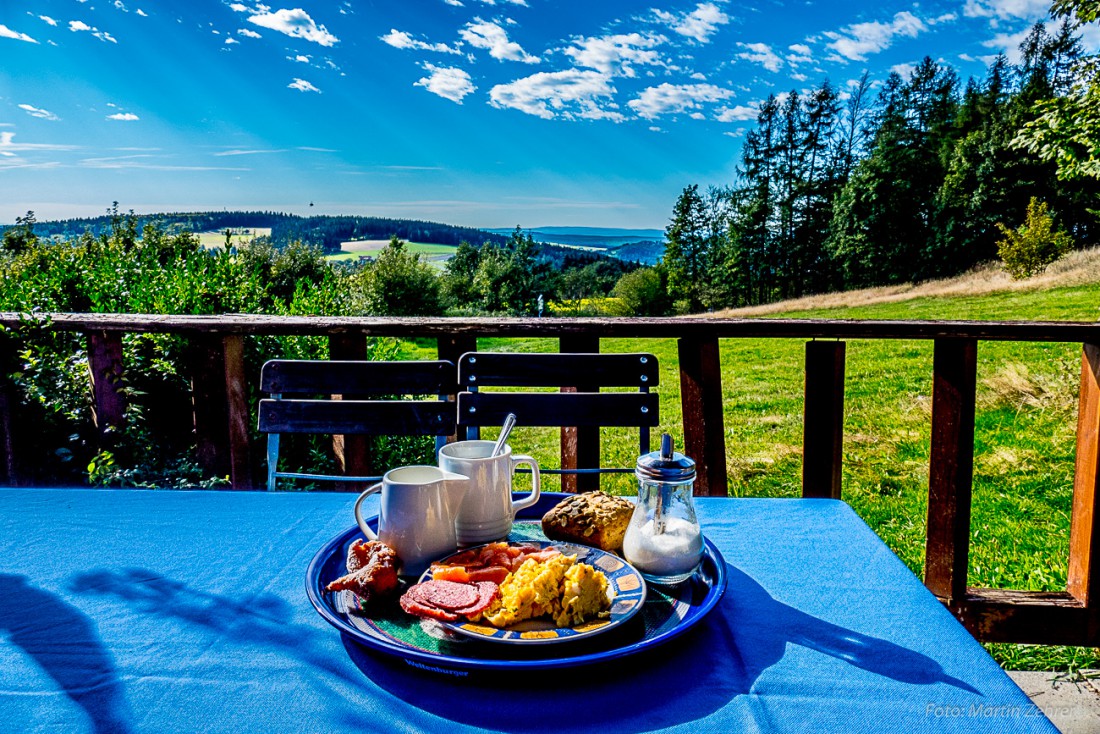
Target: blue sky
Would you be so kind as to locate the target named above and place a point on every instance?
(487, 113)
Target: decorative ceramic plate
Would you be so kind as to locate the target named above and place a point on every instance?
(427, 645)
(625, 588)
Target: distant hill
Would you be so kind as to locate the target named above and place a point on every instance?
(637, 245)
(326, 232)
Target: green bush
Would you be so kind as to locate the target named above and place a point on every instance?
(152, 272)
(1031, 247)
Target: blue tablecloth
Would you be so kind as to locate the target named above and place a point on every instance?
(167, 611)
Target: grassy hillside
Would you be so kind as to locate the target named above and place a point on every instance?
(1024, 436)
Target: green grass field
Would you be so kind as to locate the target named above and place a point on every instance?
(1024, 436)
(353, 250)
(214, 240)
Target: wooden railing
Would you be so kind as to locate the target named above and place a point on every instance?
(1068, 617)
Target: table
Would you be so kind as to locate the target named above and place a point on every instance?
(185, 611)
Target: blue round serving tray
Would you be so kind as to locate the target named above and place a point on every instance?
(667, 613)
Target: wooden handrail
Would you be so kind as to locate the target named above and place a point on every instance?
(220, 392)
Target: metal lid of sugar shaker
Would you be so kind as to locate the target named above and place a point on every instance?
(665, 465)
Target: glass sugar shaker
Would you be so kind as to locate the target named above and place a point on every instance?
(664, 540)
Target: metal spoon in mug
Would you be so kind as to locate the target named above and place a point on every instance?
(509, 424)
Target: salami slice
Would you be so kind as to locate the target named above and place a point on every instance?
(486, 592)
(447, 595)
(411, 606)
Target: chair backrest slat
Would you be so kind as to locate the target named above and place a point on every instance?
(358, 417)
(307, 377)
(630, 409)
(495, 369)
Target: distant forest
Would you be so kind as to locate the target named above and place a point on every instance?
(912, 179)
(325, 232)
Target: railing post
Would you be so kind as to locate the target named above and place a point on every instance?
(580, 445)
(9, 476)
(1083, 582)
(823, 420)
(701, 398)
(352, 452)
(105, 368)
(238, 419)
(450, 348)
(951, 468)
(208, 402)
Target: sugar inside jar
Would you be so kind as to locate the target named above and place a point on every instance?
(664, 540)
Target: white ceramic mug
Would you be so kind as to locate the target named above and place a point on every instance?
(416, 516)
(487, 511)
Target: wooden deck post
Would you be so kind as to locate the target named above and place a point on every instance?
(704, 428)
(1083, 582)
(352, 452)
(238, 418)
(580, 445)
(9, 476)
(105, 369)
(209, 404)
(451, 348)
(951, 468)
(823, 420)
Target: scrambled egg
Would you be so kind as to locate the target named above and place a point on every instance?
(568, 592)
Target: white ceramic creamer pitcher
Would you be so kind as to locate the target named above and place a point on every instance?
(416, 516)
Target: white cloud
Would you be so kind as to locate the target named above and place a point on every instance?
(123, 116)
(48, 20)
(903, 70)
(229, 41)
(855, 41)
(401, 39)
(79, 26)
(494, 39)
(674, 98)
(446, 81)
(617, 54)
(1008, 44)
(121, 6)
(237, 151)
(455, 3)
(700, 24)
(740, 113)
(238, 8)
(761, 53)
(38, 112)
(301, 59)
(302, 86)
(142, 13)
(800, 53)
(1005, 9)
(248, 33)
(569, 94)
(6, 32)
(295, 23)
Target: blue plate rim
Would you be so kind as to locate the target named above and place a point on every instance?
(315, 593)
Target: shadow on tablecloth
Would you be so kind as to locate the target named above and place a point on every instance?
(65, 644)
(685, 680)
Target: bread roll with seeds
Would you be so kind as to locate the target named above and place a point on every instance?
(590, 518)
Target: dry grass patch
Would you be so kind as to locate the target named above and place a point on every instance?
(1077, 268)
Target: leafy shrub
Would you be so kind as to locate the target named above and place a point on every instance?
(1031, 247)
(156, 272)
(399, 284)
(643, 292)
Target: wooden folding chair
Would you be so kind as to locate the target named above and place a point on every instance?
(347, 407)
(582, 408)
